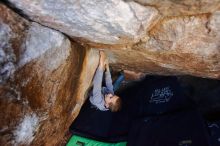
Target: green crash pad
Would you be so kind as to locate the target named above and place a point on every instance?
(82, 141)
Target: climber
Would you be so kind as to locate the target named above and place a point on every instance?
(103, 98)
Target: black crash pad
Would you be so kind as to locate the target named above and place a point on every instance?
(177, 129)
(214, 129)
(160, 95)
(114, 127)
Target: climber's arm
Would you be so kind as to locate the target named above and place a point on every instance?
(108, 80)
(97, 87)
(96, 98)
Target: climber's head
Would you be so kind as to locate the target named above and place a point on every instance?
(112, 102)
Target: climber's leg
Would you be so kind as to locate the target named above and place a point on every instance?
(118, 81)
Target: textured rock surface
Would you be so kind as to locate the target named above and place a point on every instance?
(181, 7)
(184, 39)
(42, 81)
(11, 38)
(105, 22)
(176, 45)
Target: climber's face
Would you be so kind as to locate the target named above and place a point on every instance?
(109, 98)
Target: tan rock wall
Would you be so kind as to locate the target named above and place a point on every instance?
(157, 37)
(107, 22)
(43, 91)
(181, 7)
(176, 45)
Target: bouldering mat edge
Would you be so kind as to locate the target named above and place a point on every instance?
(82, 141)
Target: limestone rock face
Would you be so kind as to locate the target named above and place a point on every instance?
(41, 87)
(106, 22)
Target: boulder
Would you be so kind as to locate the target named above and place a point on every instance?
(49, 55)
(43, 81)
(113, 22)
(166, 38)
(176, 45)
